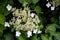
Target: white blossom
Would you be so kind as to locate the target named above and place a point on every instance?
(52, 8)
(8, 7)
(35, 31)
(29, 33)
(48, 4)
(39, 32)
(18, 33)
(32, 14)
(24, 16)
(7, 24)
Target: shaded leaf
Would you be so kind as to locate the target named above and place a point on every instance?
(28, 1)
(35, 1)
(57, 36)
(20, 38)
(21, 1)
(44, 37)
(2, 19)
(3, 2)
(1, 29)
(8, 36)
(37, 9)
(41, 26)
(23, 36)
(4, 11)
(50, 38)
(53, 19)
(10, 2)
(34, 37)
(51, 29)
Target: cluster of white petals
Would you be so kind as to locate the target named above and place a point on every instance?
(24, 19)
(52, 8)
(18, 33)
(29, 34)
(7, 24)
(36, 31)
(48, 5)
(9, 7)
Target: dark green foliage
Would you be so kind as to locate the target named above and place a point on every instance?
(49, 30)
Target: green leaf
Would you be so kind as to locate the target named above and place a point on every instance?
(2, 19)
(4, 11)
(44, 37)
(41, 26)
(57, 36)
(53, 19)
(20, 38)
(37, 9)
(35, 1)
(1, 9)
(1, 29)
(10, 2)
(28, 1)
(51, 29)
(21, 1)
(1, 33)
(32, 6)
(34, 37)
(50, 38)
(23, 36)
(8, 36)
(3, 2)
(12, 29)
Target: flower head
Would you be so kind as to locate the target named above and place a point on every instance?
(52, 8)
(32, 15)
(35, 31)
(7, 24)
(29, 33)
(18, 33)
(48, 4)
(39, 31)
(24, 20)
(8, 7)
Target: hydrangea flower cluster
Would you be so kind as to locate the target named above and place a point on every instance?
(24, 19)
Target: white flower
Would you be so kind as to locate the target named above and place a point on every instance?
(48, 4)
(32, 14)
(8, 7)
(29, 33)
(35, 31)
(7, 24)
(39, 32)
(52, 8)
(18, 33)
